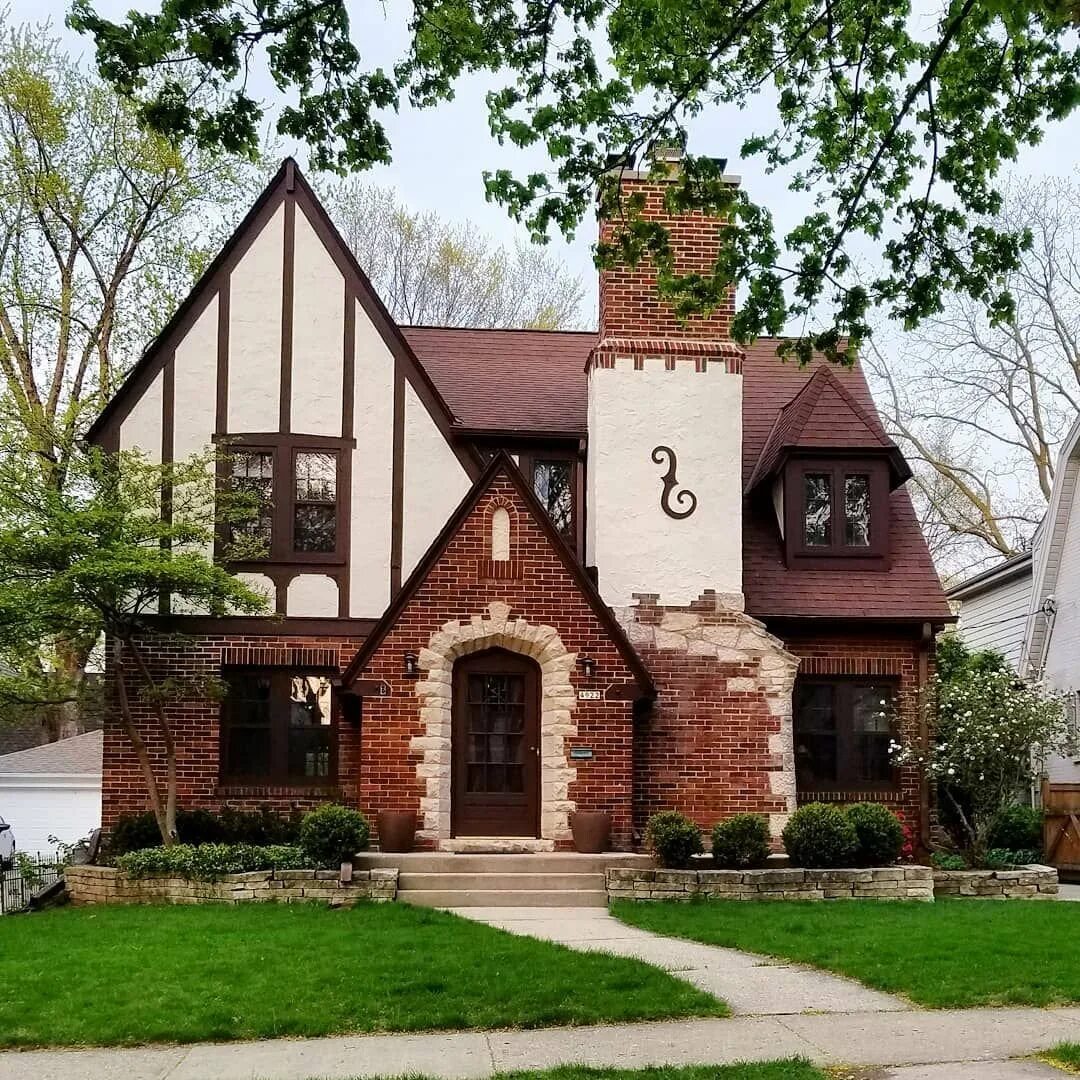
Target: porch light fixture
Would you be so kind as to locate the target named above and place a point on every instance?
(412, 664)
(587, 665)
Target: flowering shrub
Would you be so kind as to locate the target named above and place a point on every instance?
(991, 733)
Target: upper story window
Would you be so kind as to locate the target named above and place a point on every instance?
(553, 484)
(837, 509)
(296, 481)
(277, 727)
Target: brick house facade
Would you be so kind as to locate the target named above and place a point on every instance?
(519, 574)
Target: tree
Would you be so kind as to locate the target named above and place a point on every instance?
(429, 271)
(103, 228)
(896, 130)
(981, 408)
(95, 558)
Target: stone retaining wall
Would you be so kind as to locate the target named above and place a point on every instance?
(107, 885)
(1033, 882)
(877, 883)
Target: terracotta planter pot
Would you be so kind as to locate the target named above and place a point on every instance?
(592, 831)
(397, 830)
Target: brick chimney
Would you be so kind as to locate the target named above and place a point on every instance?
(664, 482)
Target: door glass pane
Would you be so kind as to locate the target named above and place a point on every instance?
(495, 705)
(857, 510)
(245, 716)
(253, 479)
(310, 726)
(815, 735)
(552, 482)
(817, 519)
(315, 502)
(871, 721)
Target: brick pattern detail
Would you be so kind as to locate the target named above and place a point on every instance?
(196, 725)
(717, 740)
(406, 762)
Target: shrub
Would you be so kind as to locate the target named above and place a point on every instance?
(673, 838)
(880, 834)
(1007, 859)
(209, 862)
(1018, 828)
(134, 832)
(947, 860)
(820, 836)
(741, 841)
(332, 834)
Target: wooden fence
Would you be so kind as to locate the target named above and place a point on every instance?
(1061, 831)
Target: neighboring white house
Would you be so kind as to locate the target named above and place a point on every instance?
(52, 791)
(992, 607)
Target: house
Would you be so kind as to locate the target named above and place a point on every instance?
(992, 607)
(524, 573)
(52, 793)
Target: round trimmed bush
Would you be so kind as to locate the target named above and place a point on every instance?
(880, 834)
(741, 842)
(673, 838)
(332, 834)
(820, 836)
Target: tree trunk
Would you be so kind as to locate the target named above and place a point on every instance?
(168, 834)
(166, 737)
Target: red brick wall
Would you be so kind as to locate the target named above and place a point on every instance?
(629, 303)
(196, 727)
(896, 657)
(543, 592)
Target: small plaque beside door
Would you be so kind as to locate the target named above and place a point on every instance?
(590, 695)
(581, 753)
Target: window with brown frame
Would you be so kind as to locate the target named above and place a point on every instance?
(277, 727)
(843, 728)
(837, 509)
(296, 481)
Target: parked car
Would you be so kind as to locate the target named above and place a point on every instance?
(7, 846)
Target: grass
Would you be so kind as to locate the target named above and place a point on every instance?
(949, 954)
(1064, 1056)
(110, 976)
(787, 1069)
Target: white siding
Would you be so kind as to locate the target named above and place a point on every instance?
(996, 618)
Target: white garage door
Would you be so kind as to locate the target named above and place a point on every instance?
(40, 807)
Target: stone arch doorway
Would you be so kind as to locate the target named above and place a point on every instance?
(495, 745)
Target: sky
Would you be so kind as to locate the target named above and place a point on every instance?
(440, 154)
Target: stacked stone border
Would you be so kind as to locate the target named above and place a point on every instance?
(1034, 882)
(108, 885)
(878, 883)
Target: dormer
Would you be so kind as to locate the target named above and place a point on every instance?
(828, 469)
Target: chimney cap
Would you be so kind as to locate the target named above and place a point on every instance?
(669, 151)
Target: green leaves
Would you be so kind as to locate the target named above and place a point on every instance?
(897, 130)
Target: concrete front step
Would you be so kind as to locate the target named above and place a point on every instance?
(486, 882)
(435, 862)
(530, 898)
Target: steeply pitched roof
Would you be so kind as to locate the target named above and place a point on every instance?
(501, 465)
(823, 415)
(78, 756)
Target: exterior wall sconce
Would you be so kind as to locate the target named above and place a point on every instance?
(412, 664)
(587, 665)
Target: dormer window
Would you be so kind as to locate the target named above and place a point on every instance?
(836, 509)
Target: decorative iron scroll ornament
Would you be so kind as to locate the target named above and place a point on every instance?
(682, 498)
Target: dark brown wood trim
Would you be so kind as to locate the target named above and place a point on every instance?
(168, 427)
(397, 488)
(221, 422)
(502, 463)
(926, 645)
(797, 627)
(104, 431)
(509, 436)
(348, 364)
(298, 626)
(344, 527)
(288, 273)
(278, 438)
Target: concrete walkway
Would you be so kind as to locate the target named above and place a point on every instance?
(751, 985)
(974, 1044)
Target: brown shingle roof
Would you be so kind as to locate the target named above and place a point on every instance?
(531, 380)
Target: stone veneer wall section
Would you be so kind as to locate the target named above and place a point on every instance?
(876, 883)
(107, 885)
(1024, 883)
(718, 740)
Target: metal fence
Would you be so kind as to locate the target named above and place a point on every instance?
(28, 874)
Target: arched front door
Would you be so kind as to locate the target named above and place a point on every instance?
(495, 746)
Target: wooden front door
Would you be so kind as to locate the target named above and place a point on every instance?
(495, 746)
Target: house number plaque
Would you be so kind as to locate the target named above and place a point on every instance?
(589, 695)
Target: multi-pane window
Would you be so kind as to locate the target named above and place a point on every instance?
(496, 730)
(253, 477)
(553, 480)
(843, 728)
(839, 508)
(277, 726)
(315, 501)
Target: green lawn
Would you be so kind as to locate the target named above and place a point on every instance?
(948, 954)
(1065, 1056)
(788, 1069)
(128, 975)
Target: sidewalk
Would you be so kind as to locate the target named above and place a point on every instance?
(896, 1038)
